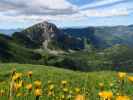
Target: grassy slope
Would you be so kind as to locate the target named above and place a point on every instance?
(10, 51)
(77, 79)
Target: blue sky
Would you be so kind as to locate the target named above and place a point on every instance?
(65, 13)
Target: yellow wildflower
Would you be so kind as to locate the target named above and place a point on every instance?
(62, 97)
(106, 95)
(49, 82)
(121, 75)
(38, 92)
(37, 84)
(51, 87)
(17, 86)
(16, 76)
(130, 78)
(50, 93)
(29, 74)
(2, 92)
(111, 84)
(122, 98)
(77, 90)
(29, 87)
(101, 86)
(79, 97)
(19, 94)
(65, 90)
(64, 82)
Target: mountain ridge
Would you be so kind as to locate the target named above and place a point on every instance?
(46, 34)
(105, 36)
(86, 49)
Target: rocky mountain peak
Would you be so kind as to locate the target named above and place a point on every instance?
(48, 35)
(48, 27)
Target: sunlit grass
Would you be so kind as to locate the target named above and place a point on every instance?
(37, 82)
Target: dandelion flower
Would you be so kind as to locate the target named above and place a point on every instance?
(122, 98)
(19, 94)
(38, 92)
(2, 92)
(77, 90)
(79, 97)
(29, 87)
(106, 94)
(130, 78)
(50, 93)
(17, 86)
(49, 82)
(17, 76)
(64, 82)
(121, 75)
(37, 84)
(65, 90)
(29, 74)
(62, 97)
(101, 86)
(111, 84)
(51, 87)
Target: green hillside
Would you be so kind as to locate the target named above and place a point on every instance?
(87, 82)
(117, 57)
(10, 51)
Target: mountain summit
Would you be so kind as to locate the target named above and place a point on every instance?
(48, 36)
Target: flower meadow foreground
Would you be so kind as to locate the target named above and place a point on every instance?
(23, 86)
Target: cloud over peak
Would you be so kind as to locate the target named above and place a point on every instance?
(37, 7)
(62, 10)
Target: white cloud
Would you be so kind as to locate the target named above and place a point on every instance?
(40, 7)
(35, 11)
(106, 13)
(52, 4)
(100, 3)
(105, 8)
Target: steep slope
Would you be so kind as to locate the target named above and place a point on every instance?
(104, 36)
(116, 35)
(87, 33)
(48, 36)
(12, 52)
(23, 40)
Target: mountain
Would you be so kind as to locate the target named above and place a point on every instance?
(104, 36)
(46, 35)
(88, 33)
(10, 51)
(32, 44)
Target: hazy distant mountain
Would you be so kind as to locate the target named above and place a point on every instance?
(9, 31)
(104, 36)
(87, 33)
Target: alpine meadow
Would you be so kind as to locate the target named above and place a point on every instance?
(66, 50)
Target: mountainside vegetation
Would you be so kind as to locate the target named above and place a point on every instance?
(47, 35)
(103, 37)
(12, 52)
(84, 49)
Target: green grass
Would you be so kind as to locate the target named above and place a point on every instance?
(10, 51)
(89, 80)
